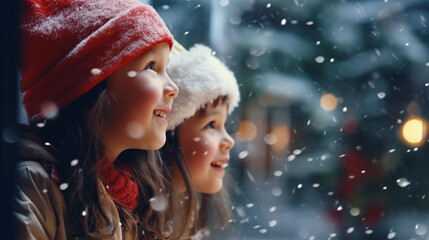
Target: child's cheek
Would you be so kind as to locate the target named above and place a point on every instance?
(149, 89)
(200, 155)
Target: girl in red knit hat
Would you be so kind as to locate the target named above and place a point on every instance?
(198, 145)
(94, 86)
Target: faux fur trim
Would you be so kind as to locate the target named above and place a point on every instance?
(201, 78)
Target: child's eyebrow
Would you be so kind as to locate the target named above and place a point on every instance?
(211, 112)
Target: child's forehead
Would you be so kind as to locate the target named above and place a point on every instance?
(212, 108)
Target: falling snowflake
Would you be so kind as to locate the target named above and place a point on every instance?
(403, 182)
(420, 229)
(74, 162)
(320, 59)
(297, 151)
(272, 223)
(354, 212)
(95, 71)
(243, 154)
(132, 74)
(381, 95)
(276, 191)
(391, 235)
(224, 3)
(159, 203)
(64, 186)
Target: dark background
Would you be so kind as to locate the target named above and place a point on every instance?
(8, 108)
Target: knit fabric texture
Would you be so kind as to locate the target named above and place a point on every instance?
(69, 46)
(119, 184)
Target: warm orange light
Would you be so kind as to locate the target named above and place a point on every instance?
(282, 136)
(246, 131)
(414, 131)
(328, 102)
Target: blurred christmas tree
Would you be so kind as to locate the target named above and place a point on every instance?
(333, 125)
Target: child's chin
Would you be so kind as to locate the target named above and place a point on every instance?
(156, 144)
(214, 189)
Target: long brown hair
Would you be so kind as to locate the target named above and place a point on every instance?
(198, 211)
(75, 133)
(156, 194)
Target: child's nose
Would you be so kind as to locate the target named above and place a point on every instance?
(227, 142)
(171, 89)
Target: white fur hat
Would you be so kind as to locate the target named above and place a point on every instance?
(201, 78)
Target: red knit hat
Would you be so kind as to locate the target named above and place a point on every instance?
(69, 46)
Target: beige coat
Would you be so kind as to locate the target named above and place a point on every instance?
(39, 208)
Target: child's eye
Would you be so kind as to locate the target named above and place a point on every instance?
(210, 124)
(150, 66)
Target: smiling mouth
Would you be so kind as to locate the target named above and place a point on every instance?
(160, 113)
(219, 164)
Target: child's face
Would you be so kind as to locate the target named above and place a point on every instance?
(143, 94)
(206, 144)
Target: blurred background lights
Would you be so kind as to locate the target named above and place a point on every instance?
(350, 124)
(328, 102)
(414, 131)
(282, 137)
(246, 131)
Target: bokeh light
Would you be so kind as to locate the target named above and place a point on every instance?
(328, 102)
(282, 135)
(414, 131)
(350, 124)
(246, 131)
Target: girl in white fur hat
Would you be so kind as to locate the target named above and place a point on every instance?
(198, 145)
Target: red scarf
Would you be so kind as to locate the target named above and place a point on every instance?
(119, 184)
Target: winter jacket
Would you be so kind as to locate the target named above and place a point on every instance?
(39, 208)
